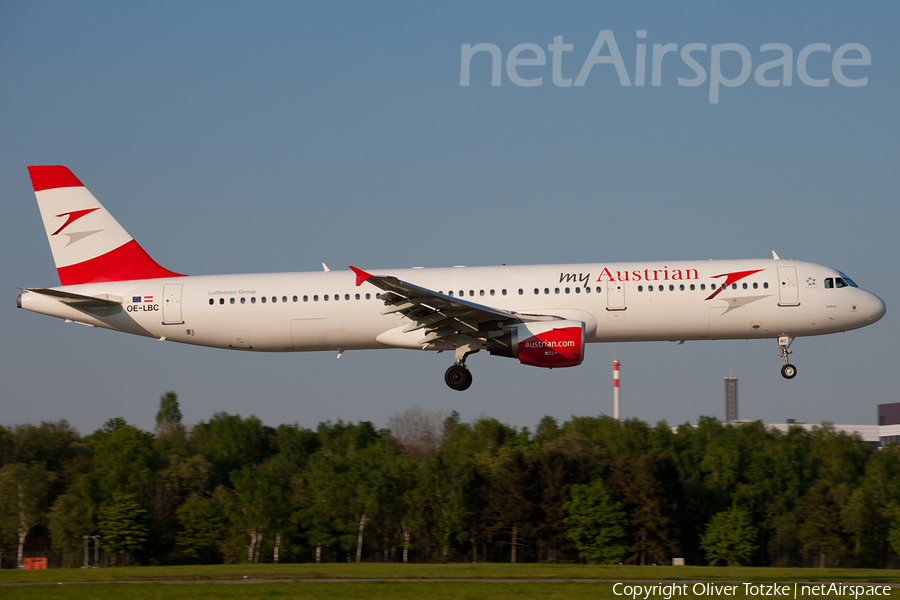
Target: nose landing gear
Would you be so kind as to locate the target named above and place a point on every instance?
(788, 371)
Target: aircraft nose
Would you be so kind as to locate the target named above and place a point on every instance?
(877, 308)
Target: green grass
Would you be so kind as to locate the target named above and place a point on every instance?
(321, 590)
(464, 571)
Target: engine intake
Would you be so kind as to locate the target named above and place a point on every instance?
(547, 344)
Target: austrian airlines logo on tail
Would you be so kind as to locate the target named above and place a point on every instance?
(731, 278)
(73, 216)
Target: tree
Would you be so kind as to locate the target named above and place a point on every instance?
(821, 531)
(418, 432)
(202, 529)
(596, 523)
(124, 459)
(121, 523)
(730, 537)
(68, 521)
(24, 494)
(168, 418)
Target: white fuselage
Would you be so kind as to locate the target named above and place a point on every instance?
(283, 312)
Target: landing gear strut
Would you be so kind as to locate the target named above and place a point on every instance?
(788, 371)
(458, 376)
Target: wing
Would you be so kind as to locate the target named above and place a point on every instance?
(441, 317)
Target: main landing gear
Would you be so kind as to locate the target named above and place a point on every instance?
(458, 376)
(788, 371)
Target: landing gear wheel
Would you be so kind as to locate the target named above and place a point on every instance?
(788, 371)
(458, 378)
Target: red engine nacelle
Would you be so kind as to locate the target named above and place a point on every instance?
(548, 344)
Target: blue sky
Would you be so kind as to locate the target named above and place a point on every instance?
(274, 136)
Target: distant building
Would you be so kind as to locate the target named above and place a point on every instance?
(889, 414)
(731, 399)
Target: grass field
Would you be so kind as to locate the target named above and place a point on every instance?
(322, 590)
(415, 585)
(452, 571)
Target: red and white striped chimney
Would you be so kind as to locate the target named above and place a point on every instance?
(616, 390)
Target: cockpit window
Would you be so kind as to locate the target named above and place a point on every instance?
(847, 281)
(840, 282)
(829, 283)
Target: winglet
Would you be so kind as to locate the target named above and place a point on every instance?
(361, 276)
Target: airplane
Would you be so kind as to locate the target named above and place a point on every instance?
(542, 315)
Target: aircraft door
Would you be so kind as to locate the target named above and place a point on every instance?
(309, 334)
(172, 304)
(788, 290)
(615, 295)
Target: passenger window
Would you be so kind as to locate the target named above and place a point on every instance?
(462, 293)
(640, 288)
(536, 292)
(377, 296)
(481, 292)
(681, 287)
(829, 283)
(263, 299)
(346, 296)
(671, 288)
(252, 299)
(492, 292)
(766, 284)
(598, 289)
(450, 293)
(733, 286)
(211, 301)
(274, 299)
(587, 290)
(578, 290)
(755, 285)
(295, 298)
(325, 297)
(471, 293)
(649, 288)
(702, 287)
(243, 300)
(368, 296)
(503, 292)
(692, 287)
(284, 298)
(546, 290)
(231, 301)
(306, 298)
(221, 300)
(357, 296)
(745, 286)
(567, 290)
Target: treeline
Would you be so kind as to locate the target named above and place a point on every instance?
(430, 488)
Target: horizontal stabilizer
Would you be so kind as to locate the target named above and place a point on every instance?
(78, 300)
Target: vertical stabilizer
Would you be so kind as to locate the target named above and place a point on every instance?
(88, 244)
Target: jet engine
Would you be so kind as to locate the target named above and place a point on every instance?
(547, 344)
